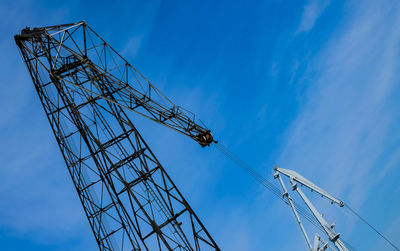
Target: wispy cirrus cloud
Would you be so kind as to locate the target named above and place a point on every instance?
(311, 13)
(344, 134)
(141, 28)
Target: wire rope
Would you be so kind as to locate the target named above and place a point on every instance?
(271, 187)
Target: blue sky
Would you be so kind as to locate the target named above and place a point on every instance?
(307, 85)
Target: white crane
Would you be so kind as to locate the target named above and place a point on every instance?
(319, 243)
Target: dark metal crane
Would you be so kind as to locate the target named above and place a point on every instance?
(86, 88)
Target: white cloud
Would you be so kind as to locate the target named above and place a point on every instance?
(311, 13)
(345, 126)
(132, 46)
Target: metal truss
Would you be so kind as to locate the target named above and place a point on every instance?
(319, 243)
(86, 88)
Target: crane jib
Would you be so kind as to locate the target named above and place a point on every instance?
(87, 91)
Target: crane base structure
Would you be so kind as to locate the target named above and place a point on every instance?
(87, 90)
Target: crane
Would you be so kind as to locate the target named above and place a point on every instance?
(319, 244)
(87, 91)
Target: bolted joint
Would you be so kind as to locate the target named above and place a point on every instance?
(335, 237)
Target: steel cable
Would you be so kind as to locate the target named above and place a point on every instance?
(271, 187)
(372, 227)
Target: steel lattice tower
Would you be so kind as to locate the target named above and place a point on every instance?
(86, 89)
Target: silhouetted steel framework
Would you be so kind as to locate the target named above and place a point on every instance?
(85, 88)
